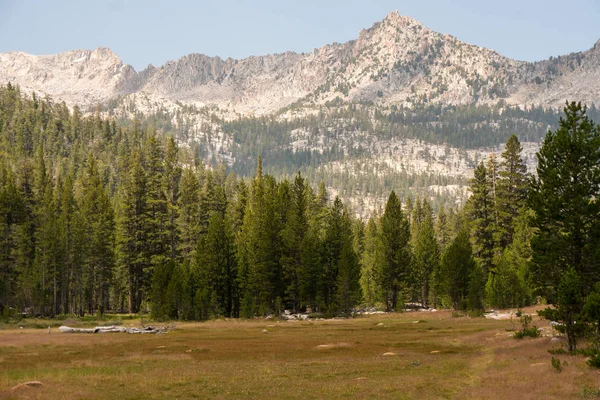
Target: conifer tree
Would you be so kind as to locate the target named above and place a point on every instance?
(171, 184)
(457, 266)
(237, 207)
(270, 243)
(564, 198)
(12, 214)
(311, 272)
(293, 235)
(442, 228)
(492, 177)
(157, 217)
(426, 254)
(207, 202)
(258, 246)
(371, 259)
(509, 285)
(480, 210)
(47, 255)
(98, 219)
(394, 273)
(69, 244)
(339, 279)
(217, 268)
(161, 307)
(348, 286)
(188, 221)
(132, 232)
(24, 235)
(511, 191)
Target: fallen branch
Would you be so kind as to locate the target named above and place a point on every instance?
(122, 329)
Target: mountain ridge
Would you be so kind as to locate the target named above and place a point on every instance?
(397, 61)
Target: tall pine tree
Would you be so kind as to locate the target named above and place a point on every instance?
(393, 274)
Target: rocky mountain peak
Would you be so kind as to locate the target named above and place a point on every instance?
(394, 18)
(397, 61)
(82, 77)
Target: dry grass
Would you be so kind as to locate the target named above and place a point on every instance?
(436, 356)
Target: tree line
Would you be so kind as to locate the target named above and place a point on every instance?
(537, 239)
(96, 216)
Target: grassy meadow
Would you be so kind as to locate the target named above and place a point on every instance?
(435, 356)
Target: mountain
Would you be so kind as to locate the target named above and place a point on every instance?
(397, 61)
(400, 106)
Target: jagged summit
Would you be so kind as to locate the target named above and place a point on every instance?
(82, 77)
(395, 18)
(397, 61)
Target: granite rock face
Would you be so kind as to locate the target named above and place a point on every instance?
(397, 61)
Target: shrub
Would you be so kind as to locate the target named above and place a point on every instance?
(559, 350)
(556, 365)
(526, 330)
(594, 360)
(519, 313)
(588, 393)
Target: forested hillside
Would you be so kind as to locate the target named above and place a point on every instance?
(400, 108)
(360, 151)
(99, 215)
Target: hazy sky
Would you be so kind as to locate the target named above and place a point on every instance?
(149, 31)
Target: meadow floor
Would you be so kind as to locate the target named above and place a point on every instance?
(436, 356)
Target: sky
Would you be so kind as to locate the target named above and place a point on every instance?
(146, 32)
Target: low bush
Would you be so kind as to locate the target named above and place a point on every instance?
(594, 359)
(556, 364)
(589, 393)
(526, 330)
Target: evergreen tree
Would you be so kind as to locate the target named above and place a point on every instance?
(217, 268)
(442, 228)
(132, 232)
(371, 259)
(480, 210)
(24, 237)
(443, 234)
(98, 219)
(171, 184)
(292, 237)
(339, 279)
(457, 266)
(511, 191)
(70, 246)
(426, 254)
(394, 273)
(509, 285)
(41, 276)
(492, 178)
(156, 223)
(12, 214)
(258, 246)
(188, 221)
(162, 308)
(564, 199)
(348, 286)
(311, 272)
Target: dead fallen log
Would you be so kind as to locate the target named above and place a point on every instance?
(121, 329)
